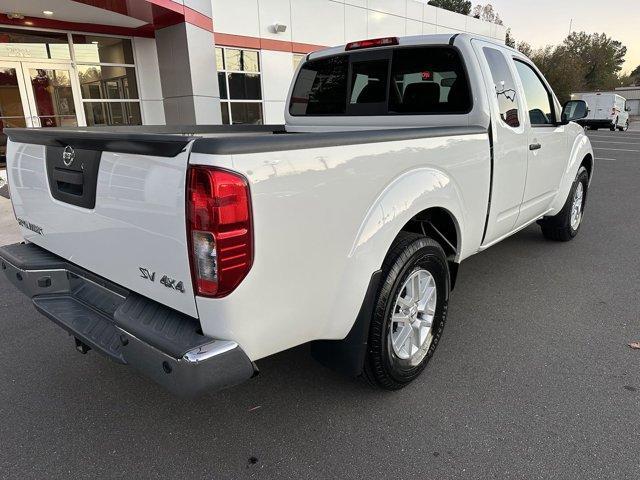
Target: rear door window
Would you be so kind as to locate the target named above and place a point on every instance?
(505, 86)
(411, 80)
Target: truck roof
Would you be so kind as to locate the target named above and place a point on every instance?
(413, 40)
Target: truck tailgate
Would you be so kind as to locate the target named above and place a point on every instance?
(118, 215)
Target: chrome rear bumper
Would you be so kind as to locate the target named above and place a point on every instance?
(163, 344)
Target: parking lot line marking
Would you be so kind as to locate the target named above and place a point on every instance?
(609, 159)
(608, 141)
(606, 130)
(616, 149)
(613, 135)
(617, 137)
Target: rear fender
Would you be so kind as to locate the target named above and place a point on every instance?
(408, 195)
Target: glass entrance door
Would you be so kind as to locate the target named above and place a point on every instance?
(37, 95)
(52, 91)
(14, 108)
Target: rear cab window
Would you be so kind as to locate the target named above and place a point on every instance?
(321, 87)
(398, 81)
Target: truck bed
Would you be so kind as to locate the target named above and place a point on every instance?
(131, 227)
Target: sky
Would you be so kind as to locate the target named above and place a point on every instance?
(542, 22)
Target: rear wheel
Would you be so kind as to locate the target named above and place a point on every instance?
(410, 311)
(566, 224)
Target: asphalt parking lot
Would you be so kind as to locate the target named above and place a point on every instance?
(534, 379)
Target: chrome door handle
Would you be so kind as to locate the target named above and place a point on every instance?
(535, 146)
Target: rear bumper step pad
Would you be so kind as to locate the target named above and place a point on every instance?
(88, 326)
(163, 344)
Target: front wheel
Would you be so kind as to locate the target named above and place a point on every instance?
(410, 311)
(625, 127)
(566, 224)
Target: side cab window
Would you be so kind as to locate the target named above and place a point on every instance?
(539, 99)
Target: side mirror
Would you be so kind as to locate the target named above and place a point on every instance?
(627, 109)
(574, 110)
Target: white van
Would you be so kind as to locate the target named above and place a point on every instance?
(606, 110)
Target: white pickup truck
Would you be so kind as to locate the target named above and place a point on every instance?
(190, 253)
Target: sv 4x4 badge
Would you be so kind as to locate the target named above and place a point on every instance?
(165, 280)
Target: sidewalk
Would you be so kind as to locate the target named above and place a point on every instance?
(9, 232)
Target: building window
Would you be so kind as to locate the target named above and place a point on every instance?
(108, 82)
(26, 44)
(240, 85)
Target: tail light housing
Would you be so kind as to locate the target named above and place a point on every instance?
(219, 230)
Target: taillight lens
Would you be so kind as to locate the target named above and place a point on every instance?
(219, 230)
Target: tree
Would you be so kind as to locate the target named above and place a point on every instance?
(487, 13)
(458, 6)
(582, 62)
(525, 49)
(601, 56)
(632, 79)
(561, 68)
(509, 40)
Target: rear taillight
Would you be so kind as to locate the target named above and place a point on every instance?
(375, 42)
(219, 230)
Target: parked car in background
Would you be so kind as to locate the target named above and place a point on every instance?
(190, 253)
(606, 110)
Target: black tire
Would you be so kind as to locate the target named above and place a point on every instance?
(625, 127)
(558, 227)
(408, 253)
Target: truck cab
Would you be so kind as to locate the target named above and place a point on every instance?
(458, 80)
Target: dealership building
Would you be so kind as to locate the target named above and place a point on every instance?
(131, 62)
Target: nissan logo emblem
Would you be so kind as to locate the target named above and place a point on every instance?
(68, 155)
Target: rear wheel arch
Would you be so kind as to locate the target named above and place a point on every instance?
(347, 355)
(442, 226)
